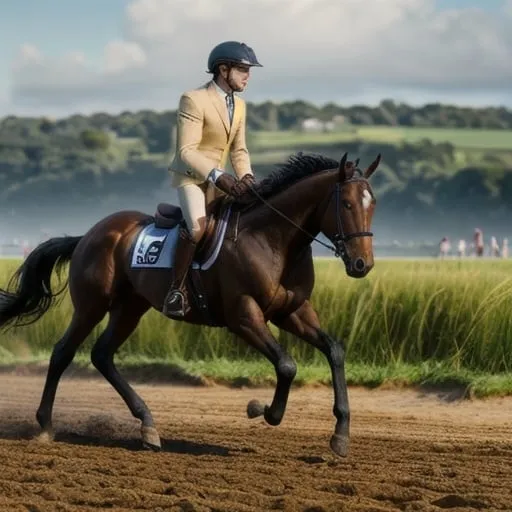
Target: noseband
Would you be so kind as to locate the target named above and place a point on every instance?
(340, 238)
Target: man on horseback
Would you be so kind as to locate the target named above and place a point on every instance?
(210, 124)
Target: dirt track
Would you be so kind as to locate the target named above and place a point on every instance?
(409, 451)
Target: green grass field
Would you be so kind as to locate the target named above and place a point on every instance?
(409, 321)
(459, 137)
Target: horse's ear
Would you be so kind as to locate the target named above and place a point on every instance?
(372, 167)
(356, 163)
(341, 168)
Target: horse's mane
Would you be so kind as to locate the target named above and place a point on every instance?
(297, 166)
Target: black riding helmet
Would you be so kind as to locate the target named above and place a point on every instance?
(232, 52)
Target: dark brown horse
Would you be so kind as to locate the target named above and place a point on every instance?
(264, 272)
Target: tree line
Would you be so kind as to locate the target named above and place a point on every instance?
(115, 160)
(26, 138)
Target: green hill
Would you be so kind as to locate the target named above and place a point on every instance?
(442, 165)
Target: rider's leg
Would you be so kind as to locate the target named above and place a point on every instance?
(192, 203)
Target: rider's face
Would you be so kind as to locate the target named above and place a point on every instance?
(238, 77)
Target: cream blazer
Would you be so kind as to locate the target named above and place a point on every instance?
(204, 137)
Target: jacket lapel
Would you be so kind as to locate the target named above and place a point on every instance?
(237, 116)
(220, 106)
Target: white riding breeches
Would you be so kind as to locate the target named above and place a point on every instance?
(193, 206)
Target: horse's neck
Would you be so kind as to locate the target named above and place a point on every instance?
(299, 204)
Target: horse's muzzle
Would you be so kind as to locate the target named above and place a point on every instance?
(358, 267)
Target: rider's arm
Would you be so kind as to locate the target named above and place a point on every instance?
(190, 132)
(239, 154)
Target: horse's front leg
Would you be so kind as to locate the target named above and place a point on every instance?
(304, 324)
(250, 325)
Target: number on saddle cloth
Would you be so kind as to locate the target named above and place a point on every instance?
(155, 244)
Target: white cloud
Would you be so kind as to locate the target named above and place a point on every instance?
(121, 56)
(29, 53)
(319, 50)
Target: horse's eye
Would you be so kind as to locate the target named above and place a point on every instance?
(346, 204)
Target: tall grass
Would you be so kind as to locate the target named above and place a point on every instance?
(403, 312)
(456, 312)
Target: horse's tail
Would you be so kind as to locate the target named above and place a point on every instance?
(29, 295)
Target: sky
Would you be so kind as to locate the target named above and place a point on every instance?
(60, 58)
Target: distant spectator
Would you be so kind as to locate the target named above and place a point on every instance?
(444, 247)
(478, 238)
(461, 249)
(494, 248)
(504, 248)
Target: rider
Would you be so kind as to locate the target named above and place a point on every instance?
(210, 123)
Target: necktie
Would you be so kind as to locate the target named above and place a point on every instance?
(231, 106)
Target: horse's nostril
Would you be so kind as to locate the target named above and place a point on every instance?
(359, 264)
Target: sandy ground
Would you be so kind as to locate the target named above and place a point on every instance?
(410, 451)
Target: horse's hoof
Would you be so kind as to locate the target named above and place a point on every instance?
(271, 420)
(339, 445)
(255, 409)
(46, 436)
(151, 439)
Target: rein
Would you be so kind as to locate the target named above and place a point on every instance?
(340, 238)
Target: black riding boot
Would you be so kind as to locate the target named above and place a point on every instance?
(176, 302)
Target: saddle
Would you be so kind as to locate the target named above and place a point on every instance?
(169, 216)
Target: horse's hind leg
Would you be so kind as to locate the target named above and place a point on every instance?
(63, 353)
(124, 318)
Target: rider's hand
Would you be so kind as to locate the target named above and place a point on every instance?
(227, 184)
(244, 185)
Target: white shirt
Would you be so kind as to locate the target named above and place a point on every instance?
(223, 94)
(215, 173)
(221, 91)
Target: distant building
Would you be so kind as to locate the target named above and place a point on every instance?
(112, 134)
(313, 124)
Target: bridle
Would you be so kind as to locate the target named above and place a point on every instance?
(340, 239)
